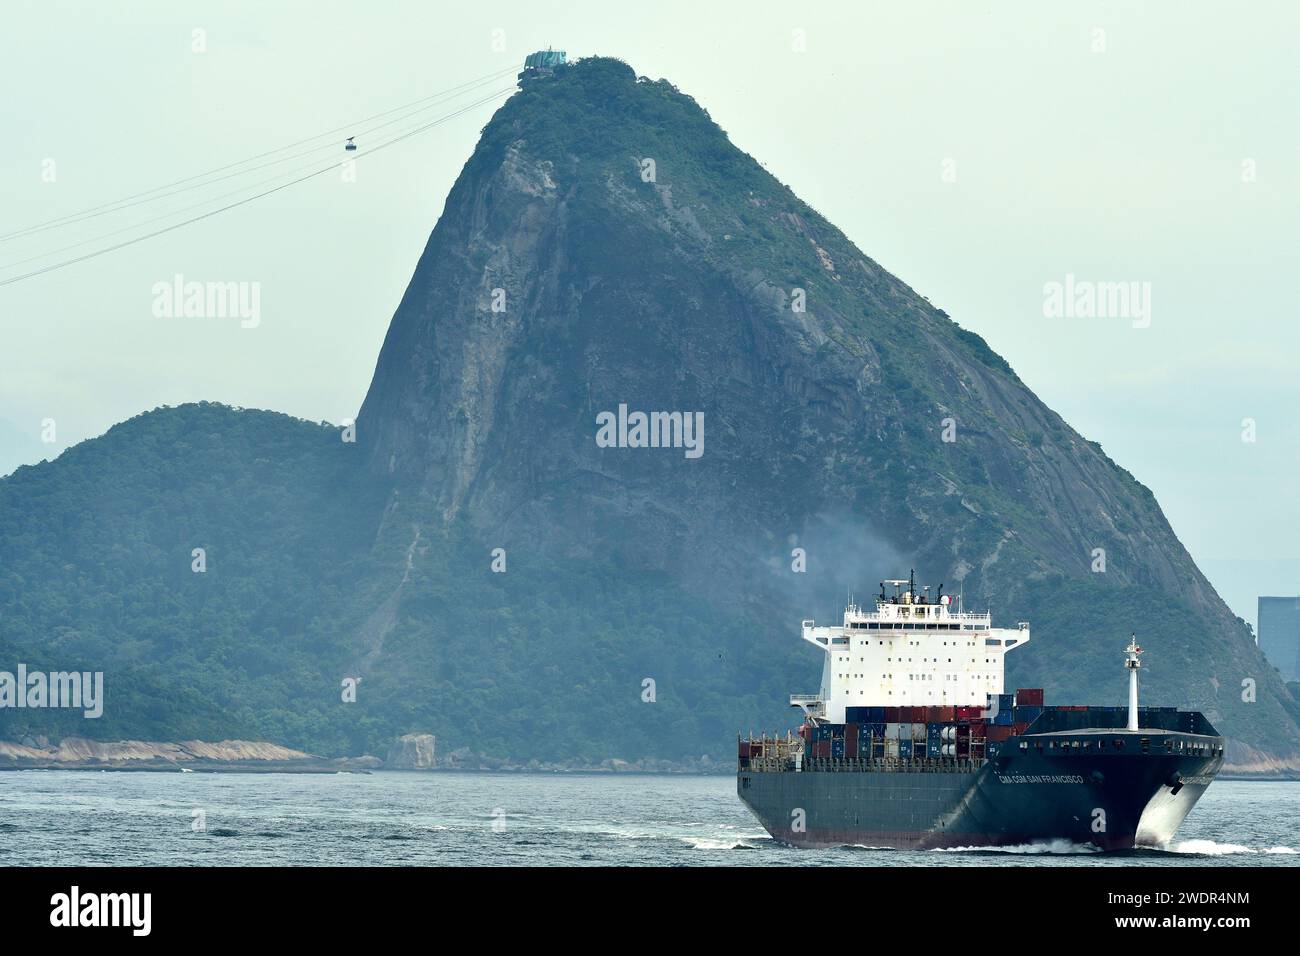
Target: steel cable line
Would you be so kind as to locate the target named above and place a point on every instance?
(198, 205)
(274, 162)
(275, 189)
(127, 201)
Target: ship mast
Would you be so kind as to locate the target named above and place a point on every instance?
(1133, 664)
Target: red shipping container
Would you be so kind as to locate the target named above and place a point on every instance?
(943, 715)
(851, 735)
(1029, 697)
(891, 715)
(822, 748)
(966, 713)
(1019, 728)
(997, 734)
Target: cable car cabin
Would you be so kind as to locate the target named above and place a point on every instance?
(542, 64)
(351, 147)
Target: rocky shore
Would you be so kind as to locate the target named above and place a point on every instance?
(415, 752)
(224, 756)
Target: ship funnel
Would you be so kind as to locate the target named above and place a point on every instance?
(1132, 664)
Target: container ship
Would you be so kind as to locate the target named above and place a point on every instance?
(912, 743)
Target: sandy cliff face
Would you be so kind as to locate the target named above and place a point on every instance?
(412, 752)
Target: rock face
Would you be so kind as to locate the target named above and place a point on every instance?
(606, 245)
(412, 752)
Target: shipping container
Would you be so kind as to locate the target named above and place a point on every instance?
(1030, 696)
(905, 750)
(876, 715)
(1003, 718)
(891, 746)
(946, 715)
(999, 732)
(1026, 714)
(878, 729)
(857, 715)
(966, 713)
(918, 731)
(837, 748)
(1019, 728)
(891, 731)
(822, 748)
(837, 731)
(891, 715)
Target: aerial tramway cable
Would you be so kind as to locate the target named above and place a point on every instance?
(203, 202)
(312, 175)
(136, 198)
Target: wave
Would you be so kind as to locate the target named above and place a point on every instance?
(705, 843)
(1208, 848)
(1038, 847)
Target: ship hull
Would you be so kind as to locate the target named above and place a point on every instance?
(1109, 801)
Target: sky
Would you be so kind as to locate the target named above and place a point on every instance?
(979, 151)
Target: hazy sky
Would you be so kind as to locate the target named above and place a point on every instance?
(977, 151)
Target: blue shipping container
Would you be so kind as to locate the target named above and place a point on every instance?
(905, 749)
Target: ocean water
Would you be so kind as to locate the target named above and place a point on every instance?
(68, 818)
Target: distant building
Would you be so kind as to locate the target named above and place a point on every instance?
(1279, 634)
(542, 64)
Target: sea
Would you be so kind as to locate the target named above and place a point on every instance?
(393, 818)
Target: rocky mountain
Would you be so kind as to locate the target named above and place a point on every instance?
(502, 558)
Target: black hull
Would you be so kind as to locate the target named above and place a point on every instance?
(1113, 801)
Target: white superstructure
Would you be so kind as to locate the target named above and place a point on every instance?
(907, 652)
